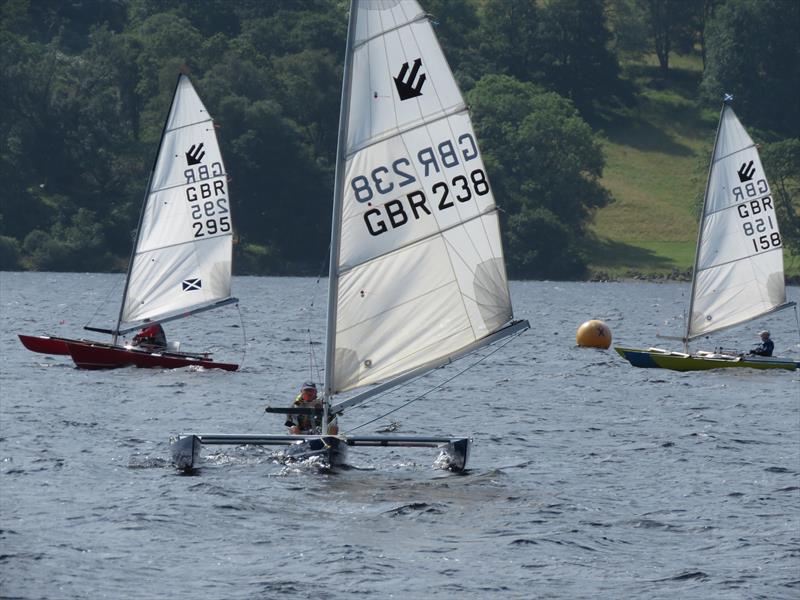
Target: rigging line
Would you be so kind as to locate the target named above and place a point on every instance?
(481, 359)
(104, 302)
(797, 320)
(312, 358)
(244, 336)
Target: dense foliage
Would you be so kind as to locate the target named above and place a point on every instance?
(86, 85)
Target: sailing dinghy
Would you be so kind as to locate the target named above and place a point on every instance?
(181, 259)
(417, 275)
(738, 269)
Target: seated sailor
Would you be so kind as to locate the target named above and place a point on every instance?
(151, 337)
(308, 424)
(766, 346)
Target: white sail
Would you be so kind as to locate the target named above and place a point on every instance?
(739, 267)
(183, 252)
(418, 271)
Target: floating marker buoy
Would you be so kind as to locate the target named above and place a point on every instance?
(593, 334)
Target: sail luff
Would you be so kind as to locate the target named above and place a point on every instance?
(338, 193)
(142, 212)
(687, 337)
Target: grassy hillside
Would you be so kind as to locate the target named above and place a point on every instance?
(657, 159)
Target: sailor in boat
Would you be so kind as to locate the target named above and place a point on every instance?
(308, 424)
(151, 337)
(766, 346)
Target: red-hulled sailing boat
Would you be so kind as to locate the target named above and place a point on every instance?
(181, 260)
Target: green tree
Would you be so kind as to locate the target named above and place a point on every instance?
(628, 23)
(563, 45)
(782, 163)
(545, 166)
(671, 24)
(576, 58)
(753, 53)
(509, 37)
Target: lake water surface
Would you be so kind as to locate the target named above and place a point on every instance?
(588, 478)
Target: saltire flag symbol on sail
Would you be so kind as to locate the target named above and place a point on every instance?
(192, 284)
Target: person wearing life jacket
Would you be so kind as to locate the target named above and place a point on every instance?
(151, 337)
(308, 424)
(766, 346)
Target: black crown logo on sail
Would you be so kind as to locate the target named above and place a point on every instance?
(195, 155)
(191, 284)
(746, 172)
(406, 88)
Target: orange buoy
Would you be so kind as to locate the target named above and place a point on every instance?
(593, 334)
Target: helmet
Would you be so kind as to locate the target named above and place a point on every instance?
(309, 385)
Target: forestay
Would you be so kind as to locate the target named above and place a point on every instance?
(739, 266)
(419, 272)
(182, 257)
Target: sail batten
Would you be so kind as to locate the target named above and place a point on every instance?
(179, 185)
(360, 43)
(734, 153)
(171, 129)
(736, 260)
(455, 110)
(182, 256)
(738, 273)
(489, 211)
(417, 267)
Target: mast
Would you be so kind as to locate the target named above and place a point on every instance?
(336, 221)
(115, 333)
(727, 98)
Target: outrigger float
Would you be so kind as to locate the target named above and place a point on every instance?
(417, 275)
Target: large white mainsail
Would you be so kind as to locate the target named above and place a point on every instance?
(738, 274)
(417, 273)
(182, 258)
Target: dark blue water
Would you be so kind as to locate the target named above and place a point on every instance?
(588, 478)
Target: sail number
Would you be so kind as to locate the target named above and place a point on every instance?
(209, 204)
(396, 213)
(384, 181)
(759, 224)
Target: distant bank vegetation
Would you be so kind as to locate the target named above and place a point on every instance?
(559, 90)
